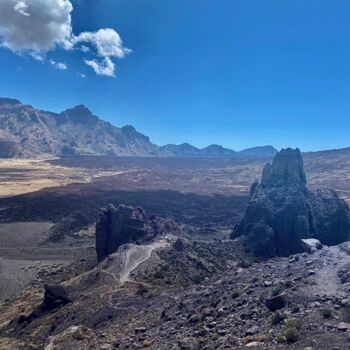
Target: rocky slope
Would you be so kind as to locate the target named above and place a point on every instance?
(299, 302)
(282, 210)
(27, 132)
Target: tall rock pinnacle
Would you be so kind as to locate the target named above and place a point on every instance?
(282, 211)
(287, 168)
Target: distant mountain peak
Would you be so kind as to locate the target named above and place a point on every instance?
(79, 109)
(128, 128)
(9, 101)
(79, 115)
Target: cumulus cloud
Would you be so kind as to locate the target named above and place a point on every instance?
(58, 65)
(35, 27)
(105, 67)
(107, 42)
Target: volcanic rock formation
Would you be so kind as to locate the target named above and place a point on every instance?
(125, 224)
(282, 211)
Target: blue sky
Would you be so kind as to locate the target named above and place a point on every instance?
(240, 73)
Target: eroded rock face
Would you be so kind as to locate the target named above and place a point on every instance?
(125, 224)
(282, 211)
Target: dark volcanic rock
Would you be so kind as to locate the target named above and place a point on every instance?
(276, 302)
(287, 169)
(282, 211)
(54, 297)
(125, 224)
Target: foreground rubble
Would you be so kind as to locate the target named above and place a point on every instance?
(225, 310)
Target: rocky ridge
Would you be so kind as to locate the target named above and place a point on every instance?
(282, 210)
(27, 132)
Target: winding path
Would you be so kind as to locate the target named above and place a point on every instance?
(133, 256)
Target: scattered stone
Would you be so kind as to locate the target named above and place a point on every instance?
(253, 344)
(343, 326)
(310, 273)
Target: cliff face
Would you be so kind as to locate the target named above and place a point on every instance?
(282, 210)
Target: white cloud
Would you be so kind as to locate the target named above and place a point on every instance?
(105, 67)
(35, 27)
(84, 48)
(82, 75)
(107, 42)
(59, 65)
(21, 7)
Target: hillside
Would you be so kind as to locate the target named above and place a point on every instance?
(27, 132)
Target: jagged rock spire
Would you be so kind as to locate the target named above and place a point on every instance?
(282, 211)
(287, 169)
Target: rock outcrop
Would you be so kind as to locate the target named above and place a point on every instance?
(125, 224)
(55, 297)
(282, 211)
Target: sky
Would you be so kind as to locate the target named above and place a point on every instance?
(240, 73)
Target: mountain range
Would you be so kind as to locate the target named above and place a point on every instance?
(187, 150)
(29, 132)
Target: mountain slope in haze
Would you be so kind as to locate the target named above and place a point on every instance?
(29, 132)
(187, 150)
(26, 132)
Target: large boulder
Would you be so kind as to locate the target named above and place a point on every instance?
(282, 211)
(55, 296)
(311, 245)
(126, 224)
(276, 302)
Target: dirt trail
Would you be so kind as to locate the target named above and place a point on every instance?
(128, 258)
(327, 282)
(135, 256)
